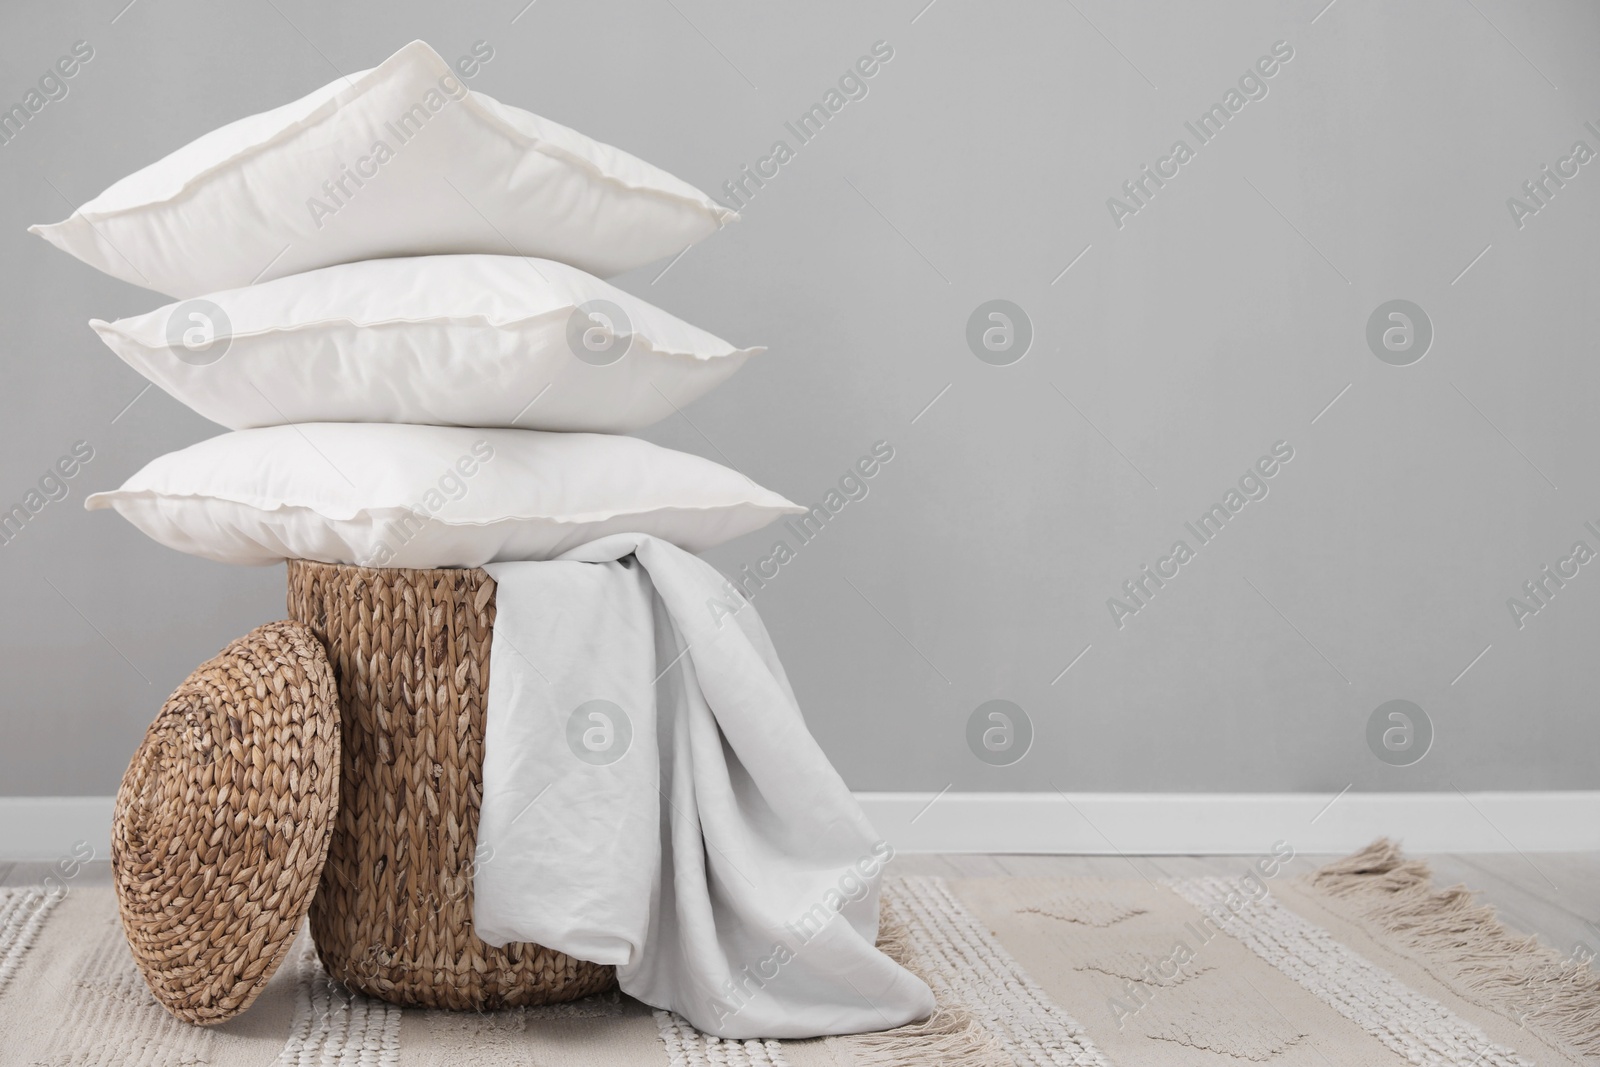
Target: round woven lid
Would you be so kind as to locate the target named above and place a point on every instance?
(222, 821)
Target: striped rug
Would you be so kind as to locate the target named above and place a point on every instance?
(1365, 962)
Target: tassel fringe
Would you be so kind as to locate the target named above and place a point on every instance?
(1556, 996)
(951, 1037)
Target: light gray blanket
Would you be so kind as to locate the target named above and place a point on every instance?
(652, 799)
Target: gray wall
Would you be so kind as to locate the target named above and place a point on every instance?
(1219, 319)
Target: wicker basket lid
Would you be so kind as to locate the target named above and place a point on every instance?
(223, 820)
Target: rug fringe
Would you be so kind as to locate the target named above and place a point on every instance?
(951, 1037)
(894, 940)
(1557, 996)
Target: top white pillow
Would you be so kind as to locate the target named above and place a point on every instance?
(399, 160)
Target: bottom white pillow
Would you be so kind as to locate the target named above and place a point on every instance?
(385, 495)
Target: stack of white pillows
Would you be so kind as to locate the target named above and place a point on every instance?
(387, 291)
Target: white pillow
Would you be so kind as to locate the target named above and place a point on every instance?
(430, 496)
(457, 171)
(451, 340)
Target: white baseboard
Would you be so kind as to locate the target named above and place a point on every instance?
(1234, 823)
(47, 828)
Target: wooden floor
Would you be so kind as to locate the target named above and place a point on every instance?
(1555, 895)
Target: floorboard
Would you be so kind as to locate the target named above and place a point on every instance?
(26, 873)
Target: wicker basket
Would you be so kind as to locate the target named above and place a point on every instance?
(392, 917)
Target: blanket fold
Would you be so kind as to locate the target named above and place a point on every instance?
(652, 799)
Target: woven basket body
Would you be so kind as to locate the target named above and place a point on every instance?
(392, 917)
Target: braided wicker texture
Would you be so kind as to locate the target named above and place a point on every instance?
(223, 819)
(393, 916)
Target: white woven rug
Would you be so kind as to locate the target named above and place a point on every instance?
(1363, 963)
